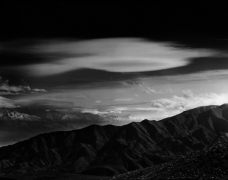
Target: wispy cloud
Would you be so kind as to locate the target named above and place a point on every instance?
(6, 87)
(125, 99)
(11, 89)
(39, 90)
(142, 86)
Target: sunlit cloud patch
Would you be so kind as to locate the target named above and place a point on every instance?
(189, 100)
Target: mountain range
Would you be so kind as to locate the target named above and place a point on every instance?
(17, 124)
(111, 150)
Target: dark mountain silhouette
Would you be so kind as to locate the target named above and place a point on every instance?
(112, 150)
(18, 124)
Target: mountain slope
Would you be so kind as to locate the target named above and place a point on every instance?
(111, 150)
(208, 163)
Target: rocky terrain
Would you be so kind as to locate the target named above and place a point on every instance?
(209, 163)
(149, 149)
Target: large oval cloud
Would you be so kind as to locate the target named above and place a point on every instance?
(112, 54)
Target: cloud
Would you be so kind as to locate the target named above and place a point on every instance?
(112, 115)
(188, 100)
(39, 90)
(125, 109)
(6, 103)
(7, 93)
(113, 54)
(6, 87)
(142, 86)
(188, 93)
(11, 89)
(81, 96)
(126, 99)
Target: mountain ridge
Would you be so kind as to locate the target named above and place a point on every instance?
(111, 150)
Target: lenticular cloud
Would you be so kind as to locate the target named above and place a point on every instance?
(111, 54)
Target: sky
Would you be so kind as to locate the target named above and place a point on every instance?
(132, 60)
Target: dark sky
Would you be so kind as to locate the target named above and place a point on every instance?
(91, 19)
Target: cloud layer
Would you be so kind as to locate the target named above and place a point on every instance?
(114, 55)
